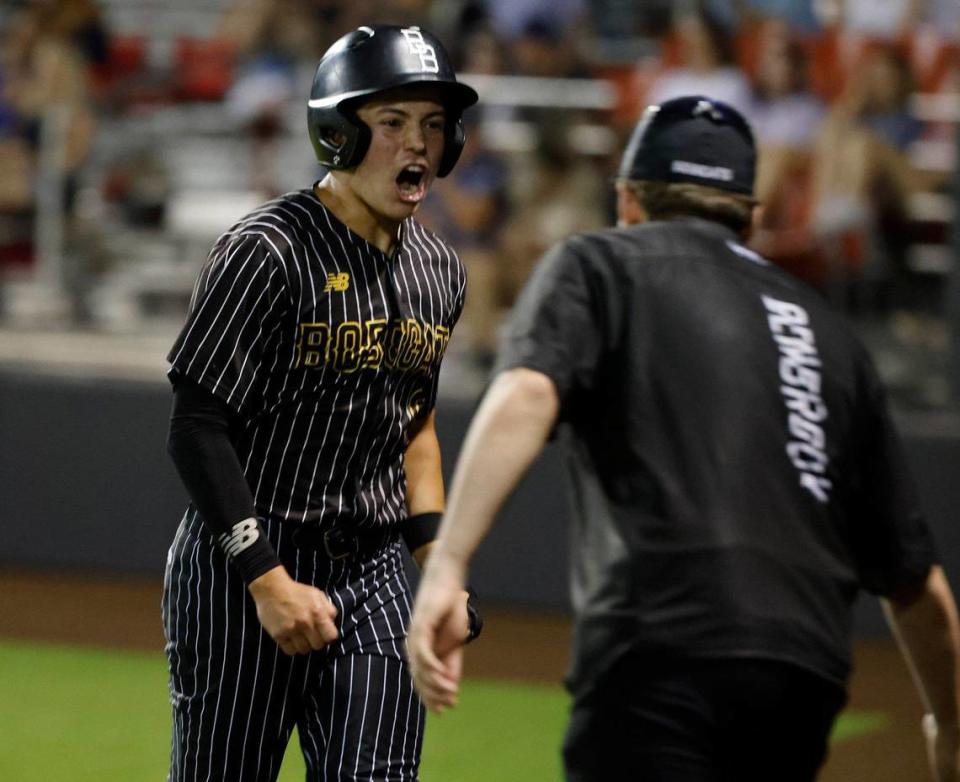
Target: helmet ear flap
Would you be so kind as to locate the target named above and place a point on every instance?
(454, 138)
(339, 138)
(359, 135)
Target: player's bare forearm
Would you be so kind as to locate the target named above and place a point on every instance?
(508, 432)
(423, 469)
(928, 632)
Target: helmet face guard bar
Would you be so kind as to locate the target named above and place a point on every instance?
(371, 60)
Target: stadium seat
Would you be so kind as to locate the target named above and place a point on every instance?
(203, 68)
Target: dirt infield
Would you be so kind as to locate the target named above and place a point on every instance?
(517, 645)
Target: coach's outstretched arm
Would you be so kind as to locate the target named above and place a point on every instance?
(509, 430)
(928, 631)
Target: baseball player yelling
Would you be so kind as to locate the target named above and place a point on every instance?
(305, 381)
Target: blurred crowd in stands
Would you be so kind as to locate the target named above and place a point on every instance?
(850, 175)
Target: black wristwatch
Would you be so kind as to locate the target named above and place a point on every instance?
(474, 619)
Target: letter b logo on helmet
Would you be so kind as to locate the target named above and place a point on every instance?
(371, 60)
(426, 53)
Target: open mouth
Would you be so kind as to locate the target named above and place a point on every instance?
(412, 184)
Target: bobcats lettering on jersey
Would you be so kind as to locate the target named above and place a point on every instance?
(354, 346)
(295, 318)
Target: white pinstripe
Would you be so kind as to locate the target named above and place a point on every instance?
(224, 657)
(363, 719)
(200, 309)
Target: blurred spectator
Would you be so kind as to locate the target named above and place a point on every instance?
(864, 143)
(300, 29)
(862, 175)
(620, 20)
(546, 49)
(272, 38)
(882, 100)
(509, 19)
(706, 65)
(482, 52)
(942, 17)
(563, 195)
(468, 209)
(46, 69)
(888, 19)
(78, 23)
(16, 160)
(799, 15)
(137, 185)
(258, 101)
(784, 114)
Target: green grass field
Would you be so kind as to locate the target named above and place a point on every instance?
(98, 716)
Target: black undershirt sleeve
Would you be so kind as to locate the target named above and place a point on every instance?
(200, 445)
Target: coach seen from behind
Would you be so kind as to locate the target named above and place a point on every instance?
(735, 479)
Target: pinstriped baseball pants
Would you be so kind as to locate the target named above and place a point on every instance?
(236, 697)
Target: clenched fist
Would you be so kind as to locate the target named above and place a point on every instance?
(300, 618)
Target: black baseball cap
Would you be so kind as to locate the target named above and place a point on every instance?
(692, 139)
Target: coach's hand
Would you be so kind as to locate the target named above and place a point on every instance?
(300, 618)
(438, 631)
(943, 749)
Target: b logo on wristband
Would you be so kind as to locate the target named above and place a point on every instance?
(242, 535)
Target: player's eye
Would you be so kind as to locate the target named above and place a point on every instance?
(392, 122)
(435, 125)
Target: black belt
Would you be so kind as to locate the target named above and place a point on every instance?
(343, 541)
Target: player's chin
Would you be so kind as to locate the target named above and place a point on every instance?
(403, 204)
(412, 197)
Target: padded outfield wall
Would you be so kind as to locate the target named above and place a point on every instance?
(86, 484)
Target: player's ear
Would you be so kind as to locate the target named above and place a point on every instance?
(629, 209)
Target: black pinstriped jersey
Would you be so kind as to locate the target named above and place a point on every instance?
(328, 350)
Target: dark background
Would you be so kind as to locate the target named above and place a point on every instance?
(86, 485)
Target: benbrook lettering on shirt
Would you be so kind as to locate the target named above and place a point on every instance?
(801, 384)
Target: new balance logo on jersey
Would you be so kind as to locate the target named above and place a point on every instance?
(419, 47)
(802, 381)
(337, 283)
(242, 535)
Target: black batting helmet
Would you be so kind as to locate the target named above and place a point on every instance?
(692, 139)
(370, 60)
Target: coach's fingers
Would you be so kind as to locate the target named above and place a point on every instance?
(435, 690)
(438, 695)
(431, 679)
